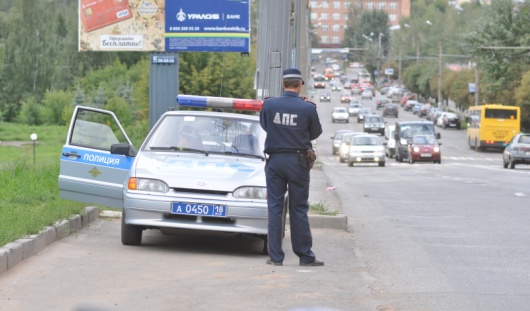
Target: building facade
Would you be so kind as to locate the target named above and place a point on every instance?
(330, 17)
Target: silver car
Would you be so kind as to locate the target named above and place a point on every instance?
(366, 148)
(196, 170)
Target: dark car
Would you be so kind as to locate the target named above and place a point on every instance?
(381, 102)
(374, 124)
(424, 111)
(391, 110)
(517, 151)
(336, 140)
(449, 119)
(404, 132)
(363, 112)
(424, 148)
(325, 97)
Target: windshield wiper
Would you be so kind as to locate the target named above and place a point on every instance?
(178, 148)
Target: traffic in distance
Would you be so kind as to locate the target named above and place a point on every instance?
(488, 127)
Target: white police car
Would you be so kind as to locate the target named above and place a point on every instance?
(198, 170)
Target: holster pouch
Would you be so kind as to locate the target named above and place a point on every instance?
(311, 157)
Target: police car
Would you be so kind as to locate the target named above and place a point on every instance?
(197, 170)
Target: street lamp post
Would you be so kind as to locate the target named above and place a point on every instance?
(379, 60)
(440, 67)
(34, 139)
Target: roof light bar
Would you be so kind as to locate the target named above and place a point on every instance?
(219, 102)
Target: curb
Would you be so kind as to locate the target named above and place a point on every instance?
(22, 249)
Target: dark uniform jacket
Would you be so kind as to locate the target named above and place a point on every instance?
(290, 122)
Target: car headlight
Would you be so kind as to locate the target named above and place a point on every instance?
(366, 125)
(145, 184)
(259, 193)
(436, 149)
(416, 149)
(403, 141)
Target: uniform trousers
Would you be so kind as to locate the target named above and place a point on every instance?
(288, 171)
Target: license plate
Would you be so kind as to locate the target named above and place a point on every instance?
(451, 124)
(199, 209)
(426, 155)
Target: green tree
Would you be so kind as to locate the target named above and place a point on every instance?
(54, 104)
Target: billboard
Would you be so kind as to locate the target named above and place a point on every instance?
(164, 25)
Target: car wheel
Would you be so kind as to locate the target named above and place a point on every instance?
(504, 164)
(333, 152)
(440, 161)
(381, 164)
(350, 163)
(347, 121)
(332, 120)
(341, 160)
(130, 234)
(512, 164)
(400, 158)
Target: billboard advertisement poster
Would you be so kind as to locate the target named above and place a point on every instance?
(207, 26)
(121, 25)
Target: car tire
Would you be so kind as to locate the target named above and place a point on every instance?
(504, 164)
(400, 159)
(350, 163)
(130, 234)
(382, 164)
(511, 164)
(341, 160)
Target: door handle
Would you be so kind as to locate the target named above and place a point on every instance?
(71, 154)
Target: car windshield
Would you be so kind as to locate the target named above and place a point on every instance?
(525, 139)
(207, 134)
(373, 119)
(340, 109)
(424, 140)
(409, 130)
(366, 141)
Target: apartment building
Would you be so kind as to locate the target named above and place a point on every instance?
(330, 17)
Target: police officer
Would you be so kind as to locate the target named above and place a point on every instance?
(291, 123)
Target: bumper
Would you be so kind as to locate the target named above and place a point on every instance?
(417, 157)
(366, 159)
(243, 216)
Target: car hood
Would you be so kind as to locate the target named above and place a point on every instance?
(198, 171)
(366, 148)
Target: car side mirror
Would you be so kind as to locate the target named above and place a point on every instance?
(123, 149)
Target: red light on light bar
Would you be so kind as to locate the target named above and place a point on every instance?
(247, 104)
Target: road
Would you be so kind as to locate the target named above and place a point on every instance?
(438, 237)
(420, 236)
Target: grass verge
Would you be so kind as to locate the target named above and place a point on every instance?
(321, 209)
(29, 199)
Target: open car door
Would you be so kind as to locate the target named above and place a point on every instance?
(91, 169)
